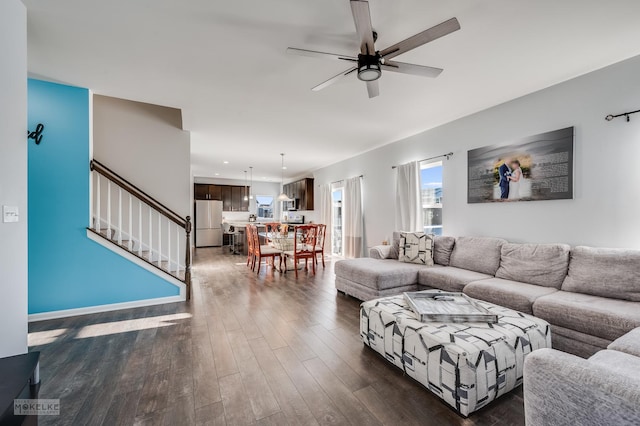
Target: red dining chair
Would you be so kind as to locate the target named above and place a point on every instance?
(304, 242)
(319, 247)
(251, 256)
(264, 251)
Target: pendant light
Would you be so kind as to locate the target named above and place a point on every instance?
(251, 183)
(246, 198)
(282, 196)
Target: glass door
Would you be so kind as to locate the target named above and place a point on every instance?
(336, 232)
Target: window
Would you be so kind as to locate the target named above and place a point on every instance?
(264, 206)
(431, 190)
(336, 222)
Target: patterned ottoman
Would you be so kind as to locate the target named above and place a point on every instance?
(467, 365)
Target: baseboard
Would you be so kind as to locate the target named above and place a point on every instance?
(103, 308)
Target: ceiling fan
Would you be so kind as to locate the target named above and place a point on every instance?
(370, 62)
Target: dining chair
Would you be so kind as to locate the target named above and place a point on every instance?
(264, 251)
(319, 247)
(304, 243)
(270, 229)
(251, 256)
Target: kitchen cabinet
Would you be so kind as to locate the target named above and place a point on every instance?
(301, 190)
(232, 196)
(201, 191)
(238, 204)
(226, 198)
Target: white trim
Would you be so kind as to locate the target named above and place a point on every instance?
(135, 259)
(103, 308)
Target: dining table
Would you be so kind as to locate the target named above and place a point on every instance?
(283, 242)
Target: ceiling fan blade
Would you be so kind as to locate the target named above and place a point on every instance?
(333, 79)
(412, 69)
(433, 33)
(362, 19)
(373, 88)
(323, 55)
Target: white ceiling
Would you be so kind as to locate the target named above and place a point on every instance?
(245, 100)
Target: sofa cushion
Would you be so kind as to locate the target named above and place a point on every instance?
(594, 315)
(378, 274)
(380, 252)
(577, 343)
(620, 362)
(442, 249)
(448, 278)
(629, 343)
(477, 254)
(511, 294)
(416, 247)
(395, 246)
(612, 273)
(541, 264)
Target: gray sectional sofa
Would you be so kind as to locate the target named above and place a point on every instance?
(562, 389)
(590, 296)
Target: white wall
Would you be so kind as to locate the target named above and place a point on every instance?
(13, 177)
(146, 145)
(606, 206)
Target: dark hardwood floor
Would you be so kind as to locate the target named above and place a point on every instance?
(263, 350)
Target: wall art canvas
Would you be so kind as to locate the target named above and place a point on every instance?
(539, 167)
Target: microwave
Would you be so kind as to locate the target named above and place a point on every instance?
(292, 205)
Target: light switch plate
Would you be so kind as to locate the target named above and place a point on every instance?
(10, 214)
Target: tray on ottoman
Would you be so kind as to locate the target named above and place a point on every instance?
(447, 307)
(467, 365)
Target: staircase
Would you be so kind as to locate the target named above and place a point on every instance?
(130, 219)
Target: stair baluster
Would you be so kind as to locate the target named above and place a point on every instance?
(119, 216)
(109, 209)
(96, 222)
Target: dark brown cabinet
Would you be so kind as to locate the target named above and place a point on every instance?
(301, 190)
(226, 198)
(232, 196)
(201, 192)
(237, 203)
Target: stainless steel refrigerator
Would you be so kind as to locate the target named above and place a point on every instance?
(208, 223)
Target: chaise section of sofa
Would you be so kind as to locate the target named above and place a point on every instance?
(367, 278)
(382, 274)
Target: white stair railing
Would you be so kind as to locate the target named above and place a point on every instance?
(139, 224)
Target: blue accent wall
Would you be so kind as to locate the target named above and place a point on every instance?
(66, 269)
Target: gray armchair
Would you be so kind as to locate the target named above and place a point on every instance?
(563, 389)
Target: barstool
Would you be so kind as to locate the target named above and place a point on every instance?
(229, 230)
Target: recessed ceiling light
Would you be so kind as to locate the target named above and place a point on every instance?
(284, 167)
(225, 162)
(217, 174)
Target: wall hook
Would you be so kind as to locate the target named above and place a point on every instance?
(36, 135)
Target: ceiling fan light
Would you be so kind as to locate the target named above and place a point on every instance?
(369, 72)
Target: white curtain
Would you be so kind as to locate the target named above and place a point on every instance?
(326, 213)
(409, 198)
(352, 218)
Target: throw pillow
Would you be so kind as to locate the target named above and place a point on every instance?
(416, 247)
